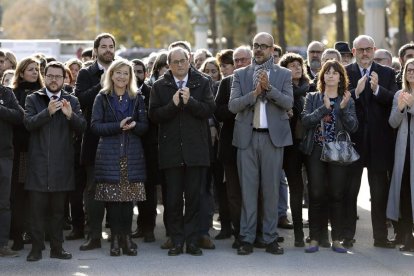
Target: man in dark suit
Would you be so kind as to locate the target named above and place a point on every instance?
(181, 102)
(147, 210)
(261, 94)
(52, 117)
(372, 87)
(87, 86)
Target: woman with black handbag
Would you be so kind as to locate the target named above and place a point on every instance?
(326, 112)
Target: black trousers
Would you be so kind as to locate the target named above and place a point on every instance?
(50, 206)
(184, 180)
(379, 185)
(120, 217)
(292, 164)
(76, 199)
(327, 182)
(147, 210)
(95, 209)
(233, 195)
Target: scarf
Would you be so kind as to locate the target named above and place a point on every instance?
(258, 68)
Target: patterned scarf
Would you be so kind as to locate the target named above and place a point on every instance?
(266, 66)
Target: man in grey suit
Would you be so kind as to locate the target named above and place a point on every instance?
(261, 94)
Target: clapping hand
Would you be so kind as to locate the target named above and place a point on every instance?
(345, 99)
(127, 124)
(408, 99)
(66, 108)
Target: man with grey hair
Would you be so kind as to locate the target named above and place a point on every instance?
(330, 54)
(383, 57)
(261, 94)
(372, 87)
(181, 103)
(314, 54)
(200, 56)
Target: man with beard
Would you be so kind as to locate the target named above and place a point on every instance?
(314, 52)
(87, 86)
(52, 117)
(261, 94)
(147, 210)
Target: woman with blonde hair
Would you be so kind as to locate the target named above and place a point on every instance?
(119, 118)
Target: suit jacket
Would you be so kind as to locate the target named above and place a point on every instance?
(279, 100)
(374, 139)
(86, 88)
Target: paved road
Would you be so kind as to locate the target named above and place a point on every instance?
(364, 259)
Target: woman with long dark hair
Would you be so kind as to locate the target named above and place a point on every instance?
(326, 112)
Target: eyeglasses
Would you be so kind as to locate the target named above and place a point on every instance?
(410, 71)
(362, 50)
(261, 46)
(242, 60)
(54, 77)
(181, 61)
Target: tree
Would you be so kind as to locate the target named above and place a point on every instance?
(402, 32)
(310, 20)
(339, 21)
(213, 24)
(280, 12)
(352, 20)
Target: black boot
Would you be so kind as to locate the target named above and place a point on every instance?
(128, 246)
(298, 231)
(115, 249)
(408, 243)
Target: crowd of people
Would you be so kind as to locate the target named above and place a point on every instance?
(98, 135)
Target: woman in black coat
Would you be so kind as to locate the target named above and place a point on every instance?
(118, 117)
(325, 113)
(26, 81)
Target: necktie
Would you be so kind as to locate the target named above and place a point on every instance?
(54, 97)
(364, 72)
(180, 84)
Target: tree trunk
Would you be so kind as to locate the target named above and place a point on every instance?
(213, 25)
(310, 20)
(280, 12)
(402, 32)
(339, 21)
(352, 21)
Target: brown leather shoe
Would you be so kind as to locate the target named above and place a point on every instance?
(205, 242)
(167, 245)
(284, 223)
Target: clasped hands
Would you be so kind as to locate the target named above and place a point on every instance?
(263, 84)
(184, 93)
(362, 81)
(405, 99)
(127, 123)
(64, 105)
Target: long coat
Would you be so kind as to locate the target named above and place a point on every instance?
(182, 136)
(399, 120)
(113, 141)
(51, 150)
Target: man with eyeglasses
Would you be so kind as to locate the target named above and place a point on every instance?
(181, 103)
(404, 53)
(314, 53)
(52, 117)
(88, 85)
(261, 94)
(372, 87)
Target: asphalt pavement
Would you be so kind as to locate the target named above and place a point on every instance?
(362, 259)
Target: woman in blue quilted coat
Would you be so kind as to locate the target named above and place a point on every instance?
(119, 118)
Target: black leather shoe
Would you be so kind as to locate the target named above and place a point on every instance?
(149, 237)
(259, 244)
(17, 245)
(115, 249)
(128, 247)
(284, 223)
(274, 248)
(175, 250)
(168, 244)
(280, 239)
(245, 249)
(60, 254)
(236, 244)
(193, 250)
(34, 256)
(75, 235)
(384, 244)
(347, 243)
(299, 243)
(224, 234)
(137, 234)
(90, 245)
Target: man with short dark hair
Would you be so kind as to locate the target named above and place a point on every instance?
(52, 117)
(11, 113)
(88, 85)
(404, 53)
(87, 54)
(181, 103)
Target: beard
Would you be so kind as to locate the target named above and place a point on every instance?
(140, 82)
(315, 64)
(106, 57)
(55, 88)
